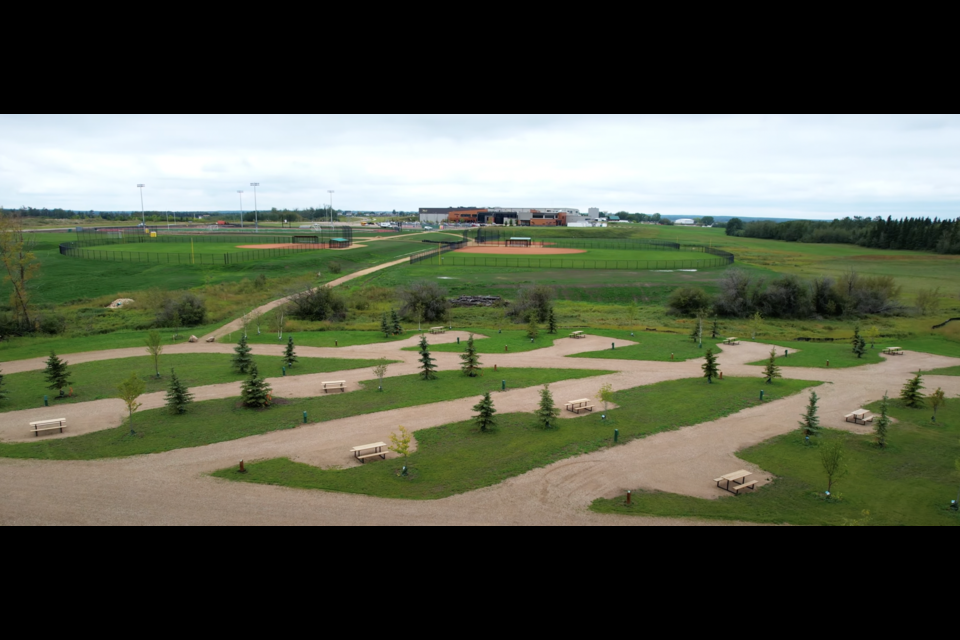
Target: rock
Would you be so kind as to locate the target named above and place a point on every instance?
(194, 339)
(211, 339)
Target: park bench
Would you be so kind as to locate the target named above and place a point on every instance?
(335, 384)
(376, 449)
(48, 425)
(732, 341)
(578, 334)
(576, 406)
(860, 416)
(437, 330)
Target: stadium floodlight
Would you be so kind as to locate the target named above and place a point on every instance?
(330, 191)
(256, 216)
(241, 208)
(142, 214)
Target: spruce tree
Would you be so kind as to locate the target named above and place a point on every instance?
(384, 326)
(255, 392)
(859, 344)
(56, 373)
(485, 410)
(428, 370)
(810, 422)
(3, 394)
(289, 356)
(911, 393)
(395, 323)
(552, 322)
(771, 370)
(178, 396)
(715, 329)
(547, 413)
(242, 361)
(695, 334)
(470, 359)
(710, 368)
(882, 424)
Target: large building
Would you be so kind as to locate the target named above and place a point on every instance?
(524, 217)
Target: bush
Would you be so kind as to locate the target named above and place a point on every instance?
(533, 302)
(334, 267)
(688, 301)
(426, 297)
(322, 303)
(191, 310)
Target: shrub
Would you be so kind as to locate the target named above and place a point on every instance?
(533, 303)
(424, 297)
(322, 303)
(189, 308)
(334, 267)
(688, 301)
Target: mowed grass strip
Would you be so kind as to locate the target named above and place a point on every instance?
(318, 338)
(840, 355)
(221, 420)
(654, 346)
(457, 458)
(97, 380)
(948, 371)
(494, 341)
(910, 482)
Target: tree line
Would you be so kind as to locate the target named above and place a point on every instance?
(914, 234)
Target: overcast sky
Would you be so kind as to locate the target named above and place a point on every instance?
(777, 166)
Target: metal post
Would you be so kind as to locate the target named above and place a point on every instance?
(143, 216)
(256, 214)
(330, 191)
(46, 402)
(761, 395)
(616, 436)
(284, 370)
(304, 417)
(628, 498)
(241, 208)
(503, 385)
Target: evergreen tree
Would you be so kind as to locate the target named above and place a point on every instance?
(771, 370)
(470, 359)
(178, 396)
(533, 331)
(3, 394)
(384, 326)
(56, 373)
(485, 410)
(547, 413)
(255, 391)
(911, 393)
(242, 361)
(710, 368)
(395, 323)
(289, 356)
(882, 424)
(552, 322)
(428, 370)
(810, 422)
(859, 344)
(715, 329)
(695, 334)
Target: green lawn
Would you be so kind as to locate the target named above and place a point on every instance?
(40, 346)
(652, 345)
(221, 420)
(496, 341)
(948, 371)
(96, 380)
(456, 458)
(911, 482)
(816, 354)
(319, 338)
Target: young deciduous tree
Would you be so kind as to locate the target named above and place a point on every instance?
(831, 457)
(911, 393)
(178, 396)
(428, 368)
(385, 326)
(859, 344)
(242, 361)
(810, 422)
(872, 334)
(547, 412)
(756, 323)
(279, 318)
(19, 263)
(937, 400)
(380, 370)
(470, 359)
(255, 392)
(772, 370)
(882, 425)
(710, 368)
(605, 395)
(485, 411)
(400, 443)
(289, 355)
(533, 331)
(129, 390)
(154, 342)
(256, 315)
(56, 373)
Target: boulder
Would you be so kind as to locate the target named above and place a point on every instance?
(194, 339)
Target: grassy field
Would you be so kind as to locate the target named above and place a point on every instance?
(318, 338)
(655, 346)
(456, 458)
(221, 420)
(96, 380)
(816, 354)
(911, 482)
(948, 371)
(492, 342)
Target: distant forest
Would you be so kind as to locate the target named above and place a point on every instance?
(915, 234)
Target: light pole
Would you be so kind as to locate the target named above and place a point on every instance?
(256, 215)
(142, 214)
(330, 191)
(241, 208)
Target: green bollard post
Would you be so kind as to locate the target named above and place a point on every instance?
(458, 339)
(616, 436)
(503, 385)
(304, 417)
(284, 370)
(404, 472)
(46, 402)
(613, 346)
(761, 395)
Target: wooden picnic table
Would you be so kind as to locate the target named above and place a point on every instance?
(738, 478)
(577, 334)
(576, 406)
(437, 330)
(893, 351)
(860, 416)
(376, 449)
(732, 341)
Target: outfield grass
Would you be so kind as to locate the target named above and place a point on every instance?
(457, 458)
(220, 420)
(816, 354)
(96, 380)
(911, 482)
(652, 345)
